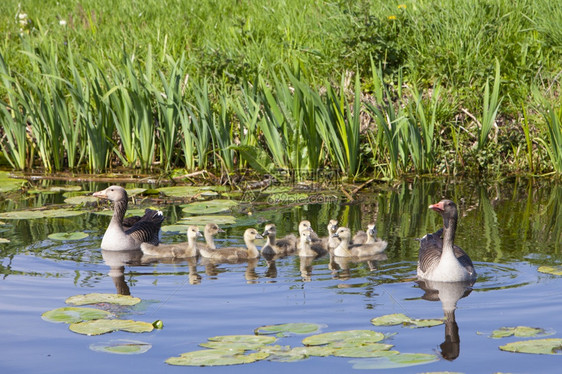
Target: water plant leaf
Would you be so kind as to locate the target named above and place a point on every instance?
(96, 298)
(394, 361)
(65, 188)
(215, 357)
(130, 212)
(402, 319)
(210, 206)
(81, 199)
(316, 350)
(68, 235)
(244, 339)
(551, 346)
(203, 220)
(121, 347)
(158, 324)
(350, 336)
(288, 328)
(189, 191)
(9, 184)
(519, 331)
(103, 326)
(74, 314)
(36, 214)
(554, 270)
(285, 353)
(366, 350)
(3, 240)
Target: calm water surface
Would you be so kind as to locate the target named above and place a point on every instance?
(509, 230)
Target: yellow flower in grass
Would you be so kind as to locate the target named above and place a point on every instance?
(402, 6)
(391, 17)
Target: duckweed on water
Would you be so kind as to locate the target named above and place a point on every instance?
(96, 298)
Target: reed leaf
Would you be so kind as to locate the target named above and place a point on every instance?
(491, 106)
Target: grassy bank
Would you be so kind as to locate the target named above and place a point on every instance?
(368, 88)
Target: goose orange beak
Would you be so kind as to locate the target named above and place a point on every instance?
(438, 207)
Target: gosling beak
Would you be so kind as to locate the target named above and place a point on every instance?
(335, 235)
(199, 235)
(265, 233)
(373, 232)
(258, 236)
(334, 228)
(220, 230)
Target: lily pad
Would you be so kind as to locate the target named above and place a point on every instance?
(353, 336)
(121, 347)
(519, 331)
(215, 357)
(402, 319)
(188, 191)
(96, 298)
(554, 270)
(394, 361)
(103, 326)
(73, 314)
(209, 206)
(130, 212)
(244, 339)
(288, 328)
(3, 240)
(316, 350)
(285, 353)
(203, 220)
(36, 214)
(9, 184)
(65, 188)
(135, 191)
(366, 350)
(68, 236)
(81, 199)
(550, 346)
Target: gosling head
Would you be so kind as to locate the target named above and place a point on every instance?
(305, 236)
(343, 233)
(332, 226)
(372, 230)
(112, 193)
(270, 230)
(193, 232)
(305, 225)
(252, 234)
(212, 229)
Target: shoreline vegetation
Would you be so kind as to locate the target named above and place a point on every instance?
(366, 89)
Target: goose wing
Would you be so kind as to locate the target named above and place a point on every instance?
(147, 229)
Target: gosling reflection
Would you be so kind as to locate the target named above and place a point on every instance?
(341, 266)
(212, 268)
(449, 293)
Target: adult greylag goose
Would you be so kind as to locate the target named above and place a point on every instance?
(211, 229)
(176, 250)
(439, 258)
(273, 246)
(345, 249)
(145, 230)
(307, 248)
(365, 237)
(233, 254)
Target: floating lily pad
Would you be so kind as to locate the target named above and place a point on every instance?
(121, 347)
(288, 328)
(68, 236)
(209, 206)
(35, 214)
(3, 240)
(537, 346)
(285, 353)
(103, 326)
(130, 212)
(519, 331)
(203, 220)
(65, 188)
(135, 191)
(402, 319)
(394, 361)
(554, 270)
(96, 298)
(73, 314)
(316, 350)
(188, 191)
(81, 199)
(366, 350)
(244, 339)
(9, 184)
(354, 336)
(215, 357)
(239, 346)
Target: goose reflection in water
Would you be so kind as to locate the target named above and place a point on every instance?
(340, 266)
(448, 293)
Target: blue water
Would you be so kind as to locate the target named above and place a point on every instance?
(508, 232)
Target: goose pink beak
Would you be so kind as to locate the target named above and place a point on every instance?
(438, 207)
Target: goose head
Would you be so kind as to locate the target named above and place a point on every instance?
(305, 236)
(193, 233)
(372, 230)
(112, 193)
(270, 230)
(305, 225)
(446, 208)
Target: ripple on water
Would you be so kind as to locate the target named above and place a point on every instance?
(493, 276)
